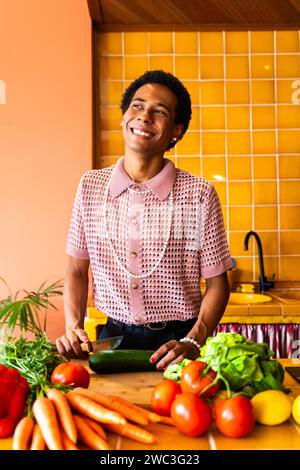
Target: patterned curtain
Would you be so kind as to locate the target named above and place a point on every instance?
(282, 339)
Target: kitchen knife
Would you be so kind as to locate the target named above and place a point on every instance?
(102, 344)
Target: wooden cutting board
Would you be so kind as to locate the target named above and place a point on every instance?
(137, 387)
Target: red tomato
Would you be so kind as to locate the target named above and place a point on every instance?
(234, 416)
(163, 395)
(71, 373)
(193, 381)
(191, 415)
(220, 395)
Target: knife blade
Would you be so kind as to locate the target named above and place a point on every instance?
(102, 344)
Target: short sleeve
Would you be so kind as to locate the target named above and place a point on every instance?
(76, 240)
(214, 250)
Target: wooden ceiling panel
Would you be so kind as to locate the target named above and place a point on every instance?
(134, 15)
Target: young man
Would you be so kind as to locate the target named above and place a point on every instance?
(150, 231)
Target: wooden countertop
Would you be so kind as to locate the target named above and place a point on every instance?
(283, 308)
(137, 388)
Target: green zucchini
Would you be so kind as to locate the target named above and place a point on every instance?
(121, 360)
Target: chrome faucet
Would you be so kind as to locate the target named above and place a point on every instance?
(263, 281)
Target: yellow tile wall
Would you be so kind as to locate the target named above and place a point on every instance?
(244, 136)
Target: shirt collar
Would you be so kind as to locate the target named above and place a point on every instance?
(160, 185)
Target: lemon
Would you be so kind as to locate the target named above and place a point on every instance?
(272, 407)
(296, 409)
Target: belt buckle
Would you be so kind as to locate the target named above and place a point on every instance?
(147, 325)
(119, 323)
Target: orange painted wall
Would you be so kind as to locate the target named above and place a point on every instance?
(45, 137)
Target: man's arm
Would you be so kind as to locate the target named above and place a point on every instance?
(212, 307)
(211, 311)
(75, 300)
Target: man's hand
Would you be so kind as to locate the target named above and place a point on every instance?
(69, 344)
(75, 300)
(173, 352)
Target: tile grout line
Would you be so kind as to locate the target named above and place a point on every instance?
(225, 139)
(118, 444)
(200, 109)
(295, 426)
(251, 156)
(217, 155)
(123, 61)
(244, 129)
(167, 54)
(277, 156)
(174, 73)
(148, 50)
(211, 441)
(265, 256)
(229, 105)
(258, 79)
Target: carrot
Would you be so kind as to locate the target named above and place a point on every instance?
(64, 413)
(44, 413)
(89, 437)
(166, 420)
(68, 444)
(93, 410)
(95, 396)
(152, 417)
(132, 432)
(23, 433)
(38, 441)
(96, 427)
(114, 404)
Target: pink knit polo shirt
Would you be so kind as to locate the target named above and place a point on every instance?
(137, 216)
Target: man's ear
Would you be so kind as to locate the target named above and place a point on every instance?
(178, 131)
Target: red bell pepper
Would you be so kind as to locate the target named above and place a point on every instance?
(14, 390)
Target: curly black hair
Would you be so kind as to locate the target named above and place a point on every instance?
(184, 108)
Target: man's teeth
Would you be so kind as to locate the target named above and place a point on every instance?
(139, 132)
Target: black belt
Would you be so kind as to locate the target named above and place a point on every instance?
(160, 325)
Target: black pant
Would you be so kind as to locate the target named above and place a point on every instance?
(142, 337)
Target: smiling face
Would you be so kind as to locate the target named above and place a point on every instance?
(148, 123)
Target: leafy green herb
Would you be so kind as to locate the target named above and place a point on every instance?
(25, 313)
(242, 365)
(35, 360)
(173, 371)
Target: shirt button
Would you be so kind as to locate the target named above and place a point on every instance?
(134, 286)
(133, 254)
(137, 319)
(134, 221)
